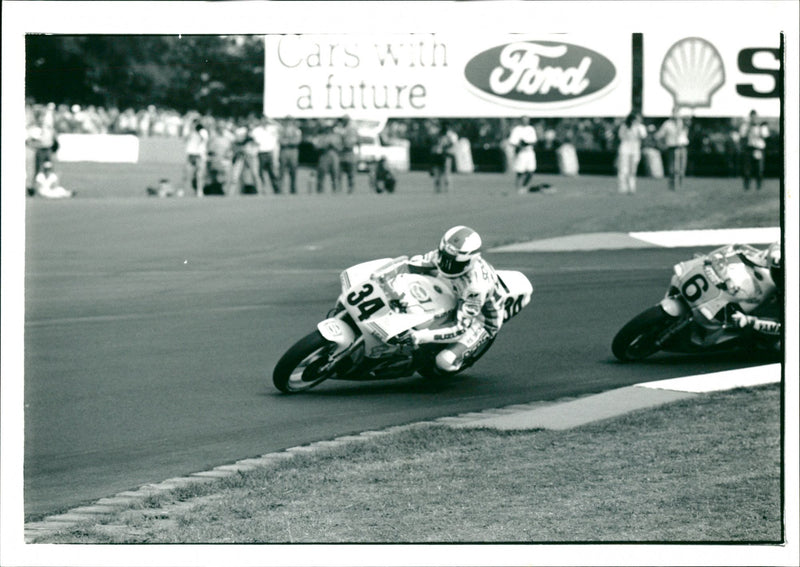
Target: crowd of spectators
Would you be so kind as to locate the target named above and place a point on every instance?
(707, 135)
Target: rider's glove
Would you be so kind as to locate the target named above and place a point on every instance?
(399, 303)
(409, 338)
(741, 319)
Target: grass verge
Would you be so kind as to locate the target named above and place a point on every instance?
(705, 469)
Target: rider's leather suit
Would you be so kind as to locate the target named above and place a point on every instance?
(746, 276)
(479, 313)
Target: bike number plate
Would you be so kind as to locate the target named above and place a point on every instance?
(696, 288)
(365, 301)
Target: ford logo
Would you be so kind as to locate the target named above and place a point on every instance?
(540, 72)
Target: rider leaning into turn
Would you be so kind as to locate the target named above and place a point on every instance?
(755, 278)
(479, 313)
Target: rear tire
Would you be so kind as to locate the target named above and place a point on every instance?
(637, 339)
(304, 365)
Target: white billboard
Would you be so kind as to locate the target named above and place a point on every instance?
(417, 75)
(713, 74)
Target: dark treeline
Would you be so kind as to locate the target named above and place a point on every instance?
(220, 75)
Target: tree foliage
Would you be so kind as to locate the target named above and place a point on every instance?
(223, 75)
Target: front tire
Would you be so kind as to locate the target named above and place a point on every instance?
(304, 365)
(638, 339)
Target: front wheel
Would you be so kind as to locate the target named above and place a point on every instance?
(640, 337)
(304, 365)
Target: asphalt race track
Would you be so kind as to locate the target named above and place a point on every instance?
(152, 329)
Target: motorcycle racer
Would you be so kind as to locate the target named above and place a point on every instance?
(755, 278)
(479, 314)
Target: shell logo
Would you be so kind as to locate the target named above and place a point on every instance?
(692, 71)
(540, 72)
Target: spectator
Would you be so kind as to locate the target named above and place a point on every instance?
(348, 161)
(754, 136)
(381, 177)
(674, 136)
(41, 137)
(733, 152)
(163, 190)
(220, 160)
(629, 153)
(289, 140)
(329, 145)
(265, 135)
(48, 186)
(522, 140)
(443, 156)
(196, 158)
(245, 172)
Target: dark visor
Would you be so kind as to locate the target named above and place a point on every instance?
(449, 265)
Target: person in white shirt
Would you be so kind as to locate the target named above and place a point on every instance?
(631, 133)
(754, 136)
(265, 134)
(522, 139)
(196, 158)
(48, 186)
(674, 134)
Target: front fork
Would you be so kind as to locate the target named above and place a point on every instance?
(678, 310)
(339, 332)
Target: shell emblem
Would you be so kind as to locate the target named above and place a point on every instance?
(692, 71)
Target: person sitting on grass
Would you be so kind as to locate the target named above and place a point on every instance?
(47, 185)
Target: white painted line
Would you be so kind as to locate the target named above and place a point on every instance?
(663, 239)
(682, 238)
(717, 381)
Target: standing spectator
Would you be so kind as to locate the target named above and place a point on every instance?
(381, 177)
(196, 156)
(265, 135)
(754, 136)
(289, 140)
(674, 135)
(522, 140)
(348, 161)
(443, 156)
(245, 172)
(47, 184)
(329, 144)
(41, 137)
(733, 152)
(220, 160)
(631, 133)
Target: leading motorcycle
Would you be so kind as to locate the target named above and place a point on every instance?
(362, 337)
(696, 313)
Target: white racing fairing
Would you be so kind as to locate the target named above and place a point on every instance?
(359, 339)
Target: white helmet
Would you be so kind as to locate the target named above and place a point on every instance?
(458, 248)
(775, 263)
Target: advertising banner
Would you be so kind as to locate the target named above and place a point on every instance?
(101, 148)
(712, 74)
(441, 75)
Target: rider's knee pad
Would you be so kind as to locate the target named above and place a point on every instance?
(451, 358)
(447, 361)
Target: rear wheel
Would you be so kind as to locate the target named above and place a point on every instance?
(304, 365)
(641, 336)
